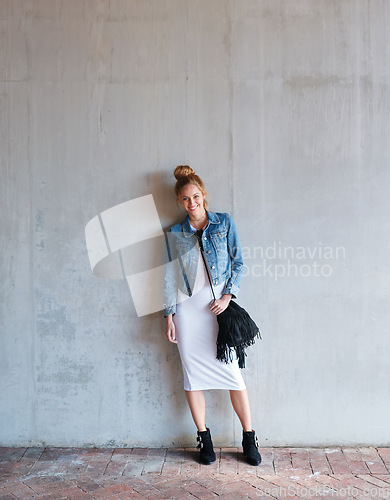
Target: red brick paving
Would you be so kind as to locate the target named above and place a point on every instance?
(138, 473)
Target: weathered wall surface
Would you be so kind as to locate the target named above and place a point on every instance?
(283, 108)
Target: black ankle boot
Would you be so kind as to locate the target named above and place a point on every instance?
(207, 455)
(250, 445)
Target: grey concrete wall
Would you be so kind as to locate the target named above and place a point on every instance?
(283, 108)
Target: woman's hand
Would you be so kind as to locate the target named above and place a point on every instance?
(219, 305)
(170, 331)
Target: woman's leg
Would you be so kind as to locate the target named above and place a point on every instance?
(241, 406)
(197, 405)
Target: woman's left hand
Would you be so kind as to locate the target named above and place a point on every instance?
(219, 305)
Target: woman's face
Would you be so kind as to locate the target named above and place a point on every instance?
(192, 200)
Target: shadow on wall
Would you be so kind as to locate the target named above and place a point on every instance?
(127, 241)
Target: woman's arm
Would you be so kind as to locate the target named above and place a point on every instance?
(170, 277)
(237, 264)
(170, 331)
(233, 283)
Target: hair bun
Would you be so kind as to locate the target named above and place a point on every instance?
(182, 171)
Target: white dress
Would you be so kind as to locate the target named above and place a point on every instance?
(196, 332)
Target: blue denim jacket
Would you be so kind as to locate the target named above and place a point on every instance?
(223, 254)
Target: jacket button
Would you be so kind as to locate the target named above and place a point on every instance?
(205, 237)
(208, 251)
(212, 267)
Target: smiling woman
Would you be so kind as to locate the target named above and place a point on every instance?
(191, 319)
(186, 179)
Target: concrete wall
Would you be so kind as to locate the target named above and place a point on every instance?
(283, 107)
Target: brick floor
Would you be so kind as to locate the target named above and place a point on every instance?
(138, 473)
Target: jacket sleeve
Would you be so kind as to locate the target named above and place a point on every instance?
(237, 264)
(170, 276)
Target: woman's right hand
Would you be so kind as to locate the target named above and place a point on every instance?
(170, 331)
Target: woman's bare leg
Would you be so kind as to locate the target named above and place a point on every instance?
(197, 405)
(240, 403)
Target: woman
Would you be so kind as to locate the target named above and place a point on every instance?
(190, 310)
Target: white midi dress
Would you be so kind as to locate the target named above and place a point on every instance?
(196, 332)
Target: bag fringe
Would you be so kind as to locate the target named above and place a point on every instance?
(237, 331)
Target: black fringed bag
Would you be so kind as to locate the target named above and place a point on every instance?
(236, 328)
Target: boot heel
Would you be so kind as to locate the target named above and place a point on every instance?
(205, 444)
(250, 448)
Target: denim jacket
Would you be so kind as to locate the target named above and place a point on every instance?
(222, 251)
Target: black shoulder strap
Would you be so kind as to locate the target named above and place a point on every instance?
(199, 234)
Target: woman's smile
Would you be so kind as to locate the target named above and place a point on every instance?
(192, 200)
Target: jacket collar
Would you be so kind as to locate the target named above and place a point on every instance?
(186, 228)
